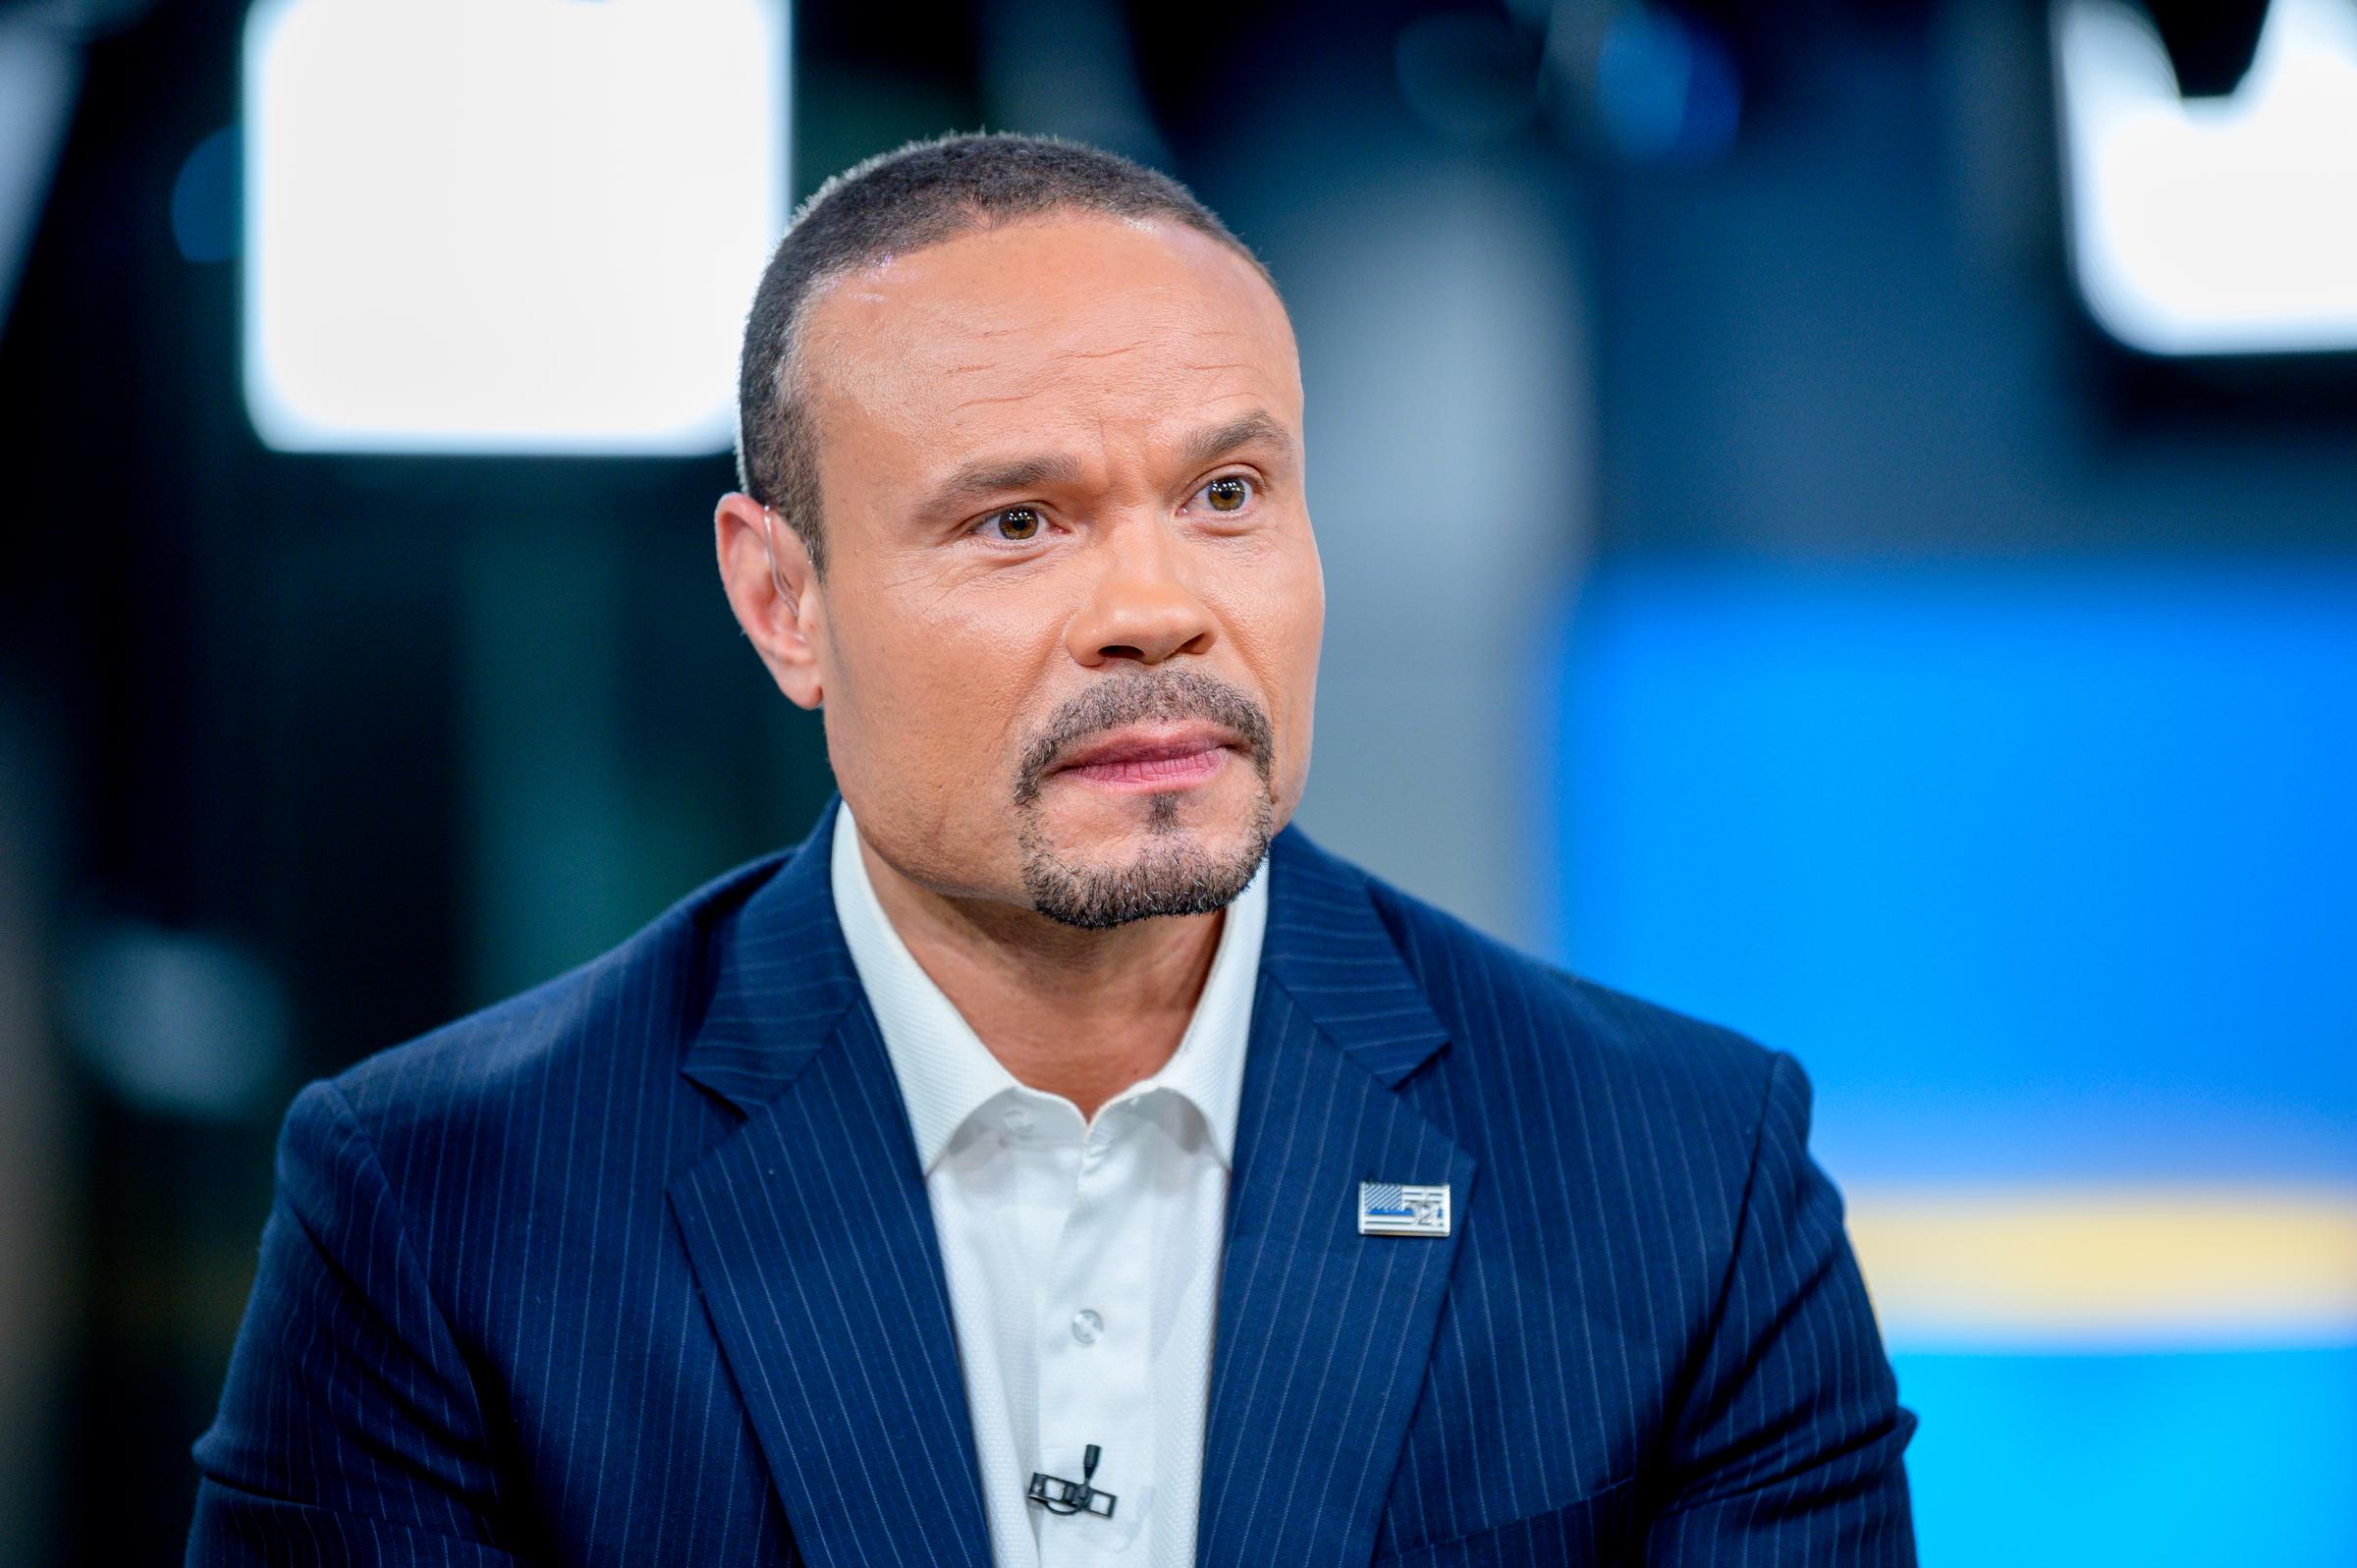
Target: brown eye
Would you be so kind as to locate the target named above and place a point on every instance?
(1229, 493)
(1017, 524)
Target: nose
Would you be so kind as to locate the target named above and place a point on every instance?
(1140, 607)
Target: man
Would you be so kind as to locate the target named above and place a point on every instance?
(1056, 1160)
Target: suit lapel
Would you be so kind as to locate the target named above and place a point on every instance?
(1323, 1334)
(813, 1242)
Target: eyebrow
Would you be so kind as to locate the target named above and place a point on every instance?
(1210, 446)
(979, 481)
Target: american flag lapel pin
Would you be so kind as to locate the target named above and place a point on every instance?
(1393, 1209)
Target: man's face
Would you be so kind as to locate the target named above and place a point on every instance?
(1067, 640)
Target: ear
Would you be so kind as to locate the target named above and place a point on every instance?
(765, 570)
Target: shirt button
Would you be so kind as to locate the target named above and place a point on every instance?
(1092, 1152)
(1087, 1323)
(1018, 1120)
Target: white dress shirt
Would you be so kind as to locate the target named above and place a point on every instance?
(1083, 1257)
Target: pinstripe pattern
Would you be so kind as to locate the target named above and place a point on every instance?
(637, 1267)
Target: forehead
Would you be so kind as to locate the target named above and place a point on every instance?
(1044, 321)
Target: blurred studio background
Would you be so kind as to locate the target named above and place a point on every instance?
(1841, 517)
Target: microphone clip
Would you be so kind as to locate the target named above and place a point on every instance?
(1061, 1497)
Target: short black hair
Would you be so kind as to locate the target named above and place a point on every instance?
(921, 194)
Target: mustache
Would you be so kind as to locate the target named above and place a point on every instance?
(1140, 697)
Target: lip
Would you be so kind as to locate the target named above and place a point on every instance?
(1164, 756)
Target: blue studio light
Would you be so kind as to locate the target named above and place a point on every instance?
(2048, 875)
(1666, 89)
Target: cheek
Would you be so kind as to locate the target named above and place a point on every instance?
(927, 702)
(1275, 611)
(1304, 621)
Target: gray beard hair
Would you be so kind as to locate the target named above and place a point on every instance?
(1172, 880)
(1173, 876)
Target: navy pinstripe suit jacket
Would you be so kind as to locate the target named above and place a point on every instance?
(638, 1267)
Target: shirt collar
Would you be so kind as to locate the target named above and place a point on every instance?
(947, 1074)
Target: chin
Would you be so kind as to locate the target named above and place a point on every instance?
(1150, 855)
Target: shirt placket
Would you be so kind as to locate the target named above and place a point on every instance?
(1094, 1372)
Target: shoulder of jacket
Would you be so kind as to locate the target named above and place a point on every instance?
(1612, 1030)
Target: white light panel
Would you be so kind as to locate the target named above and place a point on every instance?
(2218, 225)
(507, 225)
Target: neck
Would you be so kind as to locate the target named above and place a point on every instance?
(1080, 1014)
